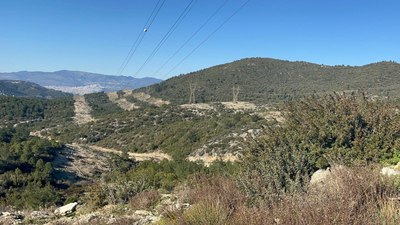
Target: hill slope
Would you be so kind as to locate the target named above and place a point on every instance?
(80, 82)
(266, 80)
(27, 89)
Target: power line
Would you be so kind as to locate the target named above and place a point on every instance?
(208, 37)
(167, 35)
(193, 35)
(141, 35)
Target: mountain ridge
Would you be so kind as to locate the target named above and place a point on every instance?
(64, 79)
(19, 88)
(270, 80)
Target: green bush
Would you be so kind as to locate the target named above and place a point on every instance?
(317, 132)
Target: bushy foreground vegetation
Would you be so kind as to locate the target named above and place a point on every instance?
(26, 171)
(127, 179)
(319, 132)
(271, 185)
(349, 196)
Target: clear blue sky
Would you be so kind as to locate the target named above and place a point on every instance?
(96, 35)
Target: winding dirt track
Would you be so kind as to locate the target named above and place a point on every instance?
(157, 155)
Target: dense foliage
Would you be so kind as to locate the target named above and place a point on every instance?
(101, 104)
(41, 111)
(128, 178)
(270, 80)
(26, 170)
(174, 130)
(319, 132)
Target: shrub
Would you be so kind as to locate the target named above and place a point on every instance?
(145, 200)
(319, 131)
(206, 213)
(215, 188)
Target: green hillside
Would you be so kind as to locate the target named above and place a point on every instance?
(37, 111)
(27, 89)
(271, 80)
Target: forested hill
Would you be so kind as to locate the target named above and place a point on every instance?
(27, 89)
(266, 80)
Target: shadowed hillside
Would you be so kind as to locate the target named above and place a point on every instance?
(27, 89)
(78, 82)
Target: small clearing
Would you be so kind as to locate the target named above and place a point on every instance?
(272, 115)
(141, 96)
(121, 101)
(82, 110)
(202, 106)
(239, 105)
(208, 159)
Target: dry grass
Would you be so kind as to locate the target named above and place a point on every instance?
(145, 200)
(215, 189)
(389, 213)
(349, 196)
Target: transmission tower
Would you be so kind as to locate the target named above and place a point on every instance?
(192, 98)
(235, 92)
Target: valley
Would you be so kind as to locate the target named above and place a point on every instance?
(213, 112)
(135, 156)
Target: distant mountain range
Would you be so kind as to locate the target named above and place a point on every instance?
(80, 82)
(27, 89)
(271, 80)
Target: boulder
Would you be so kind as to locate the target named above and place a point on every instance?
(388, 171)
(320, 176)
(66, 209)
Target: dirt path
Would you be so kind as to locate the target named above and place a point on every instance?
(157, 155)
(122, 102)
(82, 110)
(77, 162)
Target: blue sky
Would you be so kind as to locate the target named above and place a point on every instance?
(96, 35)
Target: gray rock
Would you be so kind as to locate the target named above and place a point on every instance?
(388, 171)
(66, 209)
(320, 176)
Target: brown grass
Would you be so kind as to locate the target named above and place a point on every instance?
(145, 200)
(349, 196)
(215, 189)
